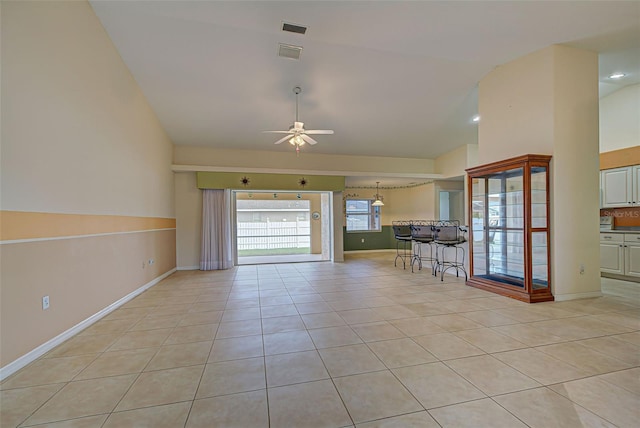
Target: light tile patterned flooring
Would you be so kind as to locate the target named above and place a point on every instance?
(359, 343)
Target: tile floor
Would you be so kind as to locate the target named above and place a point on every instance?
(359, 343)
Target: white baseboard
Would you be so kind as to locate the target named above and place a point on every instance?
(188, 268)
(31, 356)
(574, 296)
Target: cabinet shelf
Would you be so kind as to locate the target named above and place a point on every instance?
(509, 232)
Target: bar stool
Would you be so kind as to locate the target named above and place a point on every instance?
(449, 235)
(422, 233)
(402, 233)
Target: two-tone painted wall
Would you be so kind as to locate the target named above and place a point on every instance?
(86, 183)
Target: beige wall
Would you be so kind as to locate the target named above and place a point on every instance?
(188, 220)
(547, 103)
(453, 163)
(412, 203)
(81, 276)
(472, 155)
(619, 119)
(78, 134)
(78, 137)
(239, 159)
(515, 102)
(575, 165)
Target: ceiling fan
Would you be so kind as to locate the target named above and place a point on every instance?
(296, 134)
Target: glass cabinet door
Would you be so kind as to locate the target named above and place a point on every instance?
(539, 228)
(478, 226)
(499, 228)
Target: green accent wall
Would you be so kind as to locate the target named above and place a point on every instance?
(261, 181)
(383, 240)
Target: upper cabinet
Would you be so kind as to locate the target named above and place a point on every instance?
(620, 187)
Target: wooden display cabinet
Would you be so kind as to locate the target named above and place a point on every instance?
(509, 228)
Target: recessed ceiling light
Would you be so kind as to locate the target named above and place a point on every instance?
(476, 118)
(616, 76)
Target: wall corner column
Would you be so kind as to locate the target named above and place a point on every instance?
(547, 103)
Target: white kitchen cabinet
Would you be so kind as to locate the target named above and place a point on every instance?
(612, 253)
(620, 253)
(618, 188)
(632, 254)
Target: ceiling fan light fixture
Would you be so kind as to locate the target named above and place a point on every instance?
(296, 141)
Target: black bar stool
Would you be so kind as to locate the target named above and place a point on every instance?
(449, 235)
(422, 233)
(402, 233)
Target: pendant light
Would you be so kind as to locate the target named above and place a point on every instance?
(378, 198)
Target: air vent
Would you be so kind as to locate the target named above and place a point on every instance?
(289, 51)
(293, 28)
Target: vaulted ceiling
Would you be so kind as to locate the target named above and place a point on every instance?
(391, 78)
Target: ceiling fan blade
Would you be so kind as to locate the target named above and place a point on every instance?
(282, 140)
(319, 131)
(308, 139)
(277, 132)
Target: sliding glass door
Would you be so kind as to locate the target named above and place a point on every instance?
(280, 227)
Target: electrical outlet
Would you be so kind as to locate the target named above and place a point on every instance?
(45, 302)
(362, 240)
(151, 261)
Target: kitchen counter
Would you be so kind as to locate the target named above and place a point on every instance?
(620, 231)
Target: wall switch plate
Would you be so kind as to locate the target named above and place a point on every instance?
(45, 302)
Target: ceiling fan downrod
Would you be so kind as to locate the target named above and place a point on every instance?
(297, 91)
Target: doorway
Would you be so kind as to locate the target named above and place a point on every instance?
(282, 227)
(451, 203)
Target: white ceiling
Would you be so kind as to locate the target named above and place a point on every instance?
(391, 78)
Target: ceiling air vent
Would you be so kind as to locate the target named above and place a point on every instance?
(293, 28)
(289, 51)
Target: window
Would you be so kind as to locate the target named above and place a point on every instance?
(361, 216)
